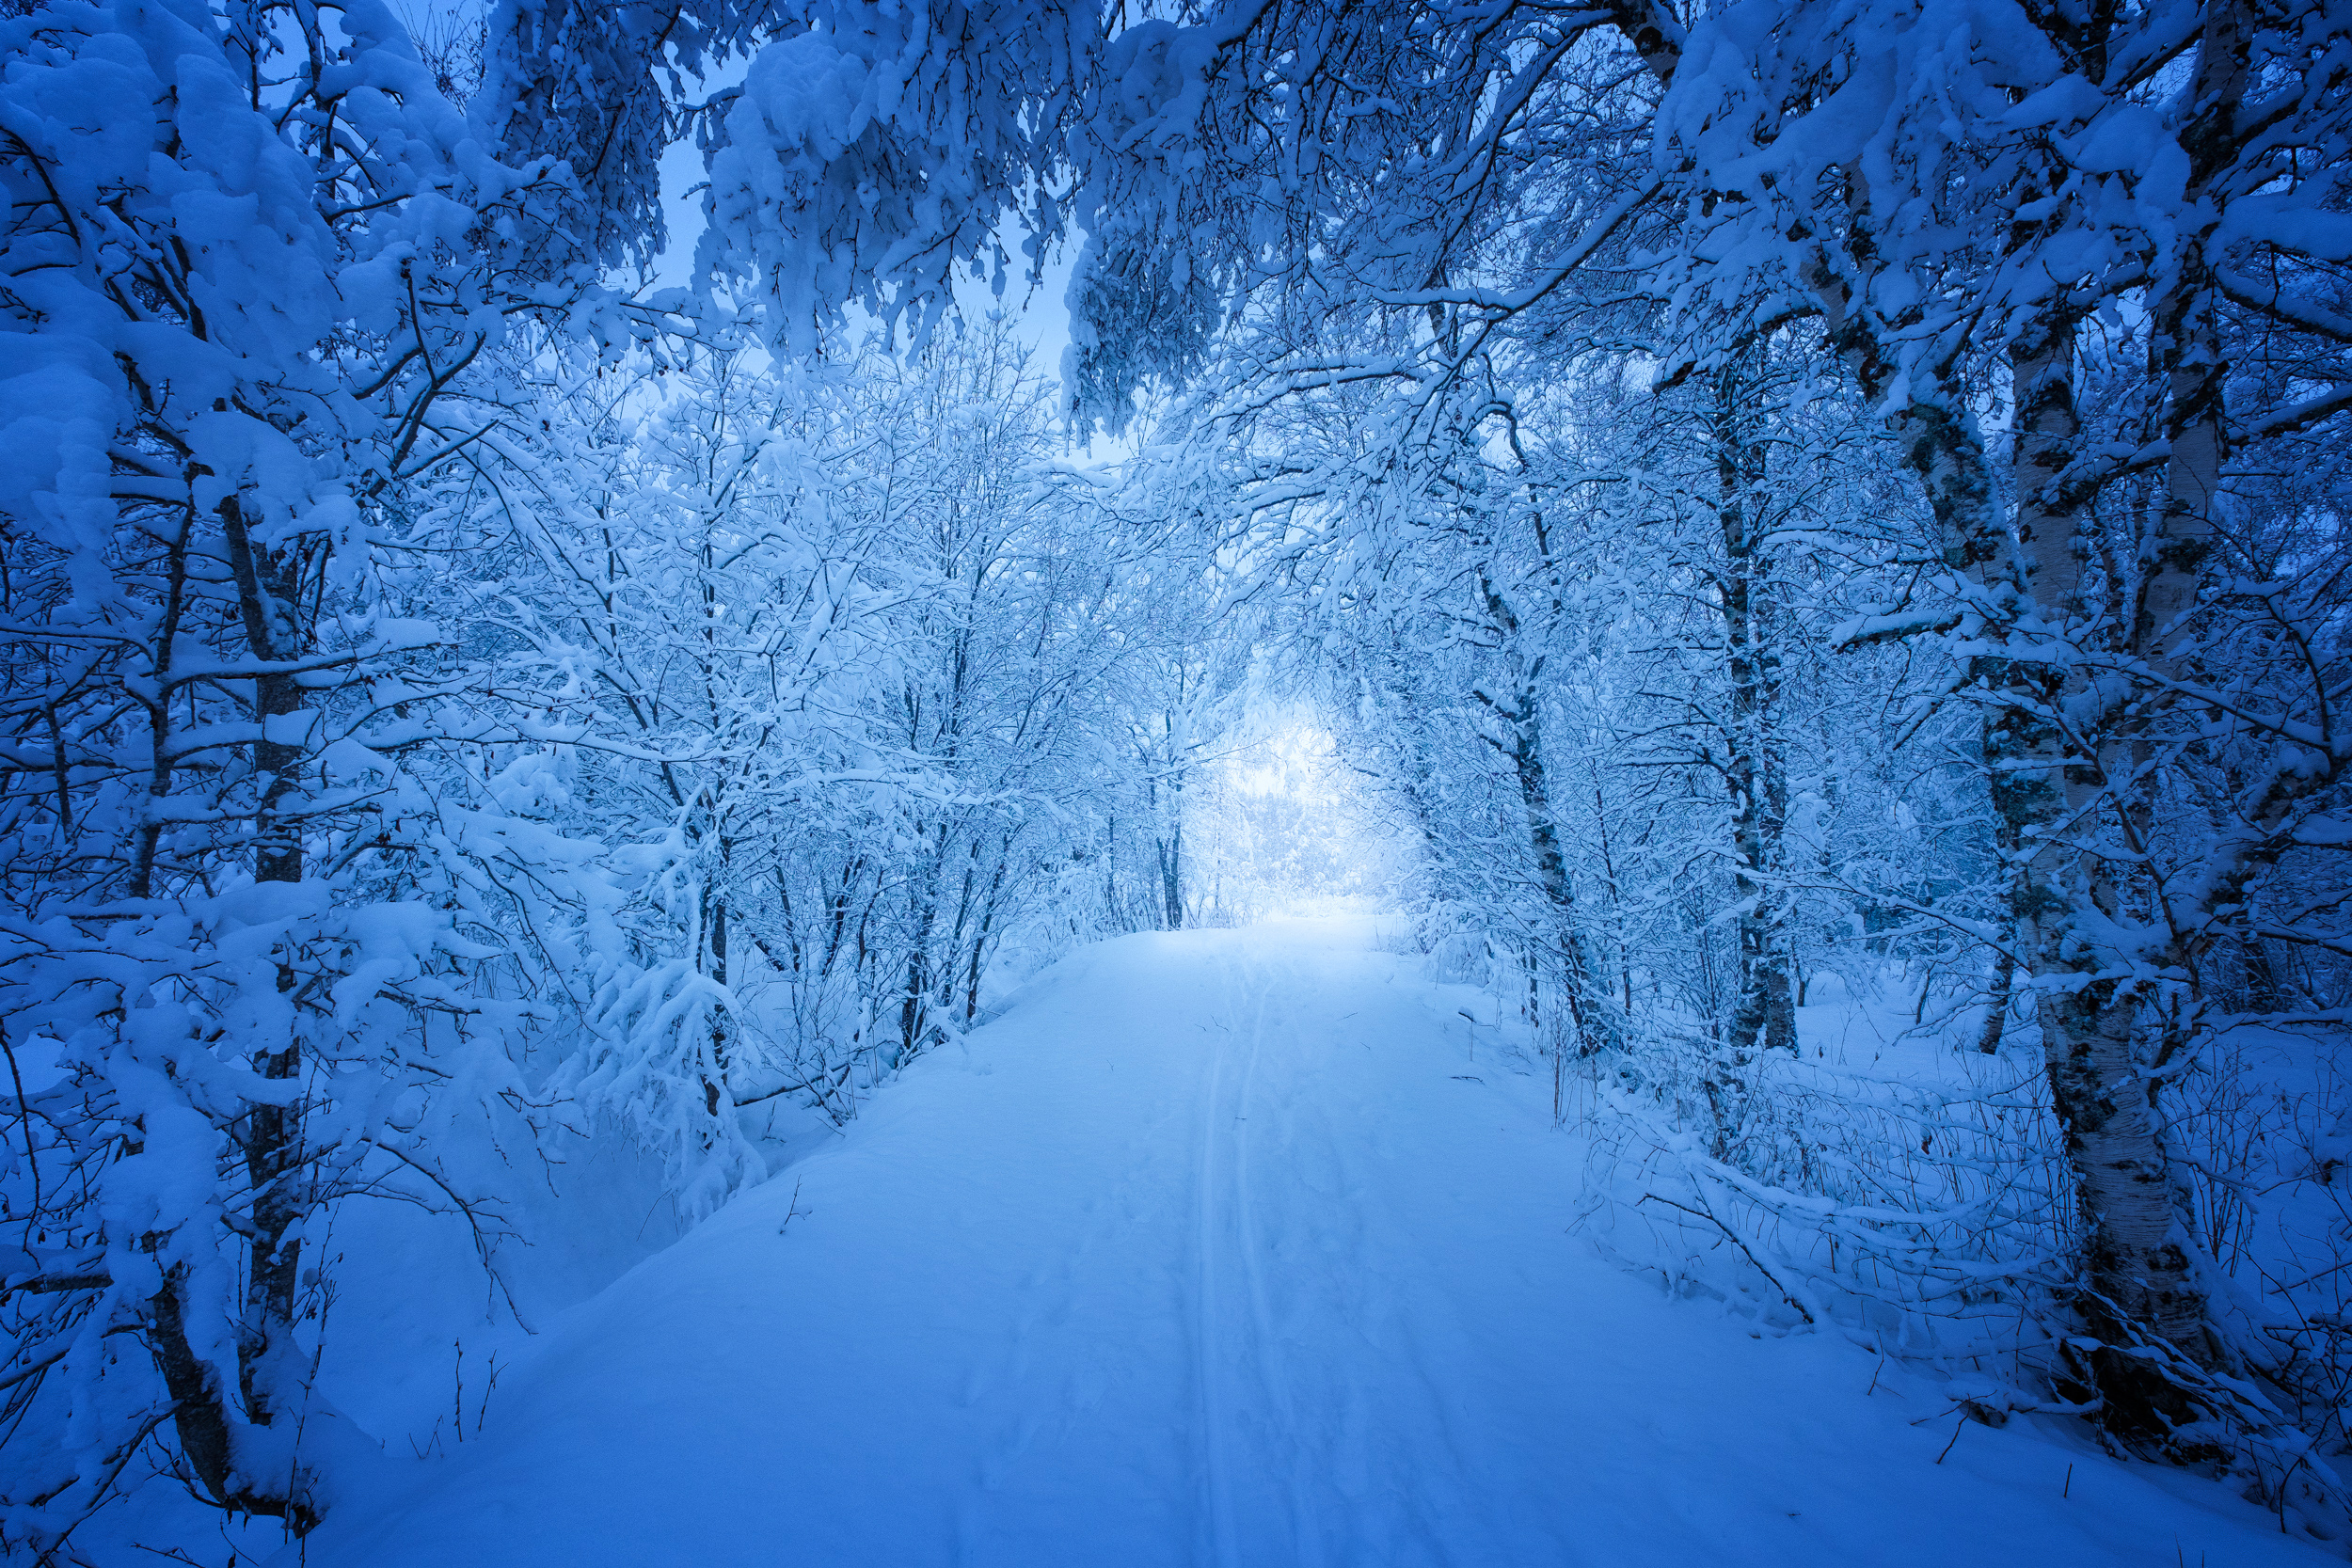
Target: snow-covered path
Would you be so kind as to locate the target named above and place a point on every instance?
(1217, 1249)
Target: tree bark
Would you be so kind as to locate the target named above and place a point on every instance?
(269, 1136)
(2137, 1258)
(1764, 1016)
(1997, 1010)
(1522, 720)
(1171, 856)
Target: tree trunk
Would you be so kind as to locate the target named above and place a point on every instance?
(1522, 720)
(2135, 1255)
(1765, 1015)
(1171, 852)
(269, 1136)
(1997, 1013)
(2142, 1257)
(715, 959)
(914, 1001)
(2139, 1259)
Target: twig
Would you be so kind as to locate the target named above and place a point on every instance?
(1751, 1258)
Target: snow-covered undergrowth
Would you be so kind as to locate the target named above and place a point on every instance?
(1892, 1184)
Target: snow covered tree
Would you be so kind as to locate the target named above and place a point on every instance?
(2095, 163)
(248, 307)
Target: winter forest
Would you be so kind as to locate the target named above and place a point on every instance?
(791, 782)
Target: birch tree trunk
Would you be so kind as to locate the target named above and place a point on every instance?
(1764, 1017)
(2141, 1254)
(2138, 1263)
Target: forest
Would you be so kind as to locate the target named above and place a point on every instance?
(585, 587)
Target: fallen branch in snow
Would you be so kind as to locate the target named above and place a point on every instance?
(1735, 1241)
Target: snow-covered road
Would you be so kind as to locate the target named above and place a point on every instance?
(1219, 1248)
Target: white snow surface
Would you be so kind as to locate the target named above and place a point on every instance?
(1220, 1247)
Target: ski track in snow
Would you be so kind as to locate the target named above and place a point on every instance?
(1203, 1256)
